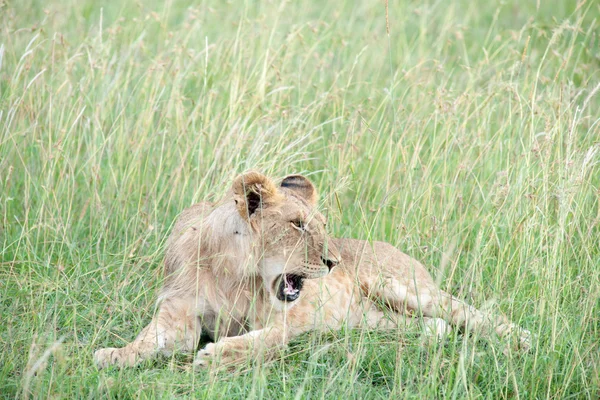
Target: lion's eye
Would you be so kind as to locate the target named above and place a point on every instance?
(298, 224)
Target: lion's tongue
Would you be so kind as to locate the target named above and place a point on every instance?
(289, 286)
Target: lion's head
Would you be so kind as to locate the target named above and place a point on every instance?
(288, 233)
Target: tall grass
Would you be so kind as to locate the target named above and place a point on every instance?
(477, 152)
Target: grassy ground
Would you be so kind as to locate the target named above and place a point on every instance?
(470, 134)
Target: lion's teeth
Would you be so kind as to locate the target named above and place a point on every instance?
(289, 288)
(290, 291)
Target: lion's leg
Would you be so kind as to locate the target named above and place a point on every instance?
(374, 318)
(406, 296)
(258, 344)
(465, 316)
(261, 344)
(174, 328)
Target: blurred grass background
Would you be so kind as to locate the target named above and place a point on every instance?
(468, 137)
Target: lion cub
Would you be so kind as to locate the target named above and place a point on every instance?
(258, 269)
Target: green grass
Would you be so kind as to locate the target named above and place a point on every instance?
(469, 138)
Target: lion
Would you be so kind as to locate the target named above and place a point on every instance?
(258, 269)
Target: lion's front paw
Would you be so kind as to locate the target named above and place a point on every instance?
(224, 352)
(122, 357)
(205, 356)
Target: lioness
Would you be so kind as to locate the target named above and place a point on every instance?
(258, 269)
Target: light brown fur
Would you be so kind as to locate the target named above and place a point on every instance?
(224, 262)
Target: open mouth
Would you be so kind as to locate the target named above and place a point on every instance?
(289, 287)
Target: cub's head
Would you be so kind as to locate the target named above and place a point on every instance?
(288, 232)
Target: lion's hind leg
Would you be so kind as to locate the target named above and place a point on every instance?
(375, 318)
(175, 327)
(426, 300)
(467, 317)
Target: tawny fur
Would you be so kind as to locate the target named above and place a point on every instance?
(222, 266)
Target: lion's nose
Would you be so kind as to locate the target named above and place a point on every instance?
(330, 263)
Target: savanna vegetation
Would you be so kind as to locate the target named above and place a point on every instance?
(466, 133)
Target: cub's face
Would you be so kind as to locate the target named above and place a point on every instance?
(289, 234)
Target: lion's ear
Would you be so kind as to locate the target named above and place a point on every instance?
(252, 191)
(301, 186)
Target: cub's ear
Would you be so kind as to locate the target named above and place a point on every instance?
(302, 187)
(252, 191)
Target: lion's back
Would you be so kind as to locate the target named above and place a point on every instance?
(190, 216)
(376, 258)
(178, 243)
